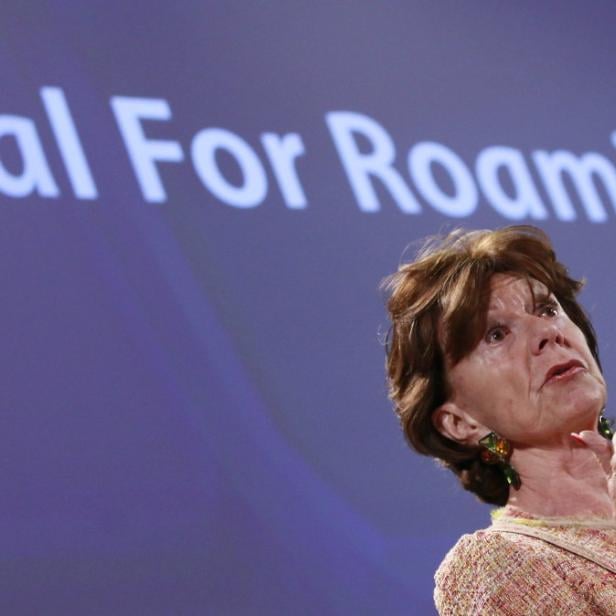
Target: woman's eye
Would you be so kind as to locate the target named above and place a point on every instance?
(496, 334)
(548, 310)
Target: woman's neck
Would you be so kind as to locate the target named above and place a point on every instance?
(562, 481)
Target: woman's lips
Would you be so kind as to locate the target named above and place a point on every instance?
(563, 371)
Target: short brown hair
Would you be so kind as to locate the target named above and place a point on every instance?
(447, 289)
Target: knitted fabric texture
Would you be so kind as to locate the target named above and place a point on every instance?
(494, 572)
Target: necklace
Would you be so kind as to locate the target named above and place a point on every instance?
(510, 515)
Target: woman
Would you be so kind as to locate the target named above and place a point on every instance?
(493, 369)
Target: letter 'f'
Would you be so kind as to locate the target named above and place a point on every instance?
(144, 153)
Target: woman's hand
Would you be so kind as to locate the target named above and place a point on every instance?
(605, 451)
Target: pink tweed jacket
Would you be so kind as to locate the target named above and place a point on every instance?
(495, 572)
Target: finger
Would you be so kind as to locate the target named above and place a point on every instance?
(599, 445)
(611, 481)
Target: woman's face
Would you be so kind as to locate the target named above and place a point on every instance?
(532, 378)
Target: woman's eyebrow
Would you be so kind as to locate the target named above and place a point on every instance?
(538, 296)
(542, 295)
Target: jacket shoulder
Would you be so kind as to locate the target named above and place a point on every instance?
(489, 572)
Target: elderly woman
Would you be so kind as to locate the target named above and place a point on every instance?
(493, 370)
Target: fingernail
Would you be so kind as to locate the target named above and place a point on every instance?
(577, 438)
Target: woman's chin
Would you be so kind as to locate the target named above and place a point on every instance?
(557, 431)
(582, 409)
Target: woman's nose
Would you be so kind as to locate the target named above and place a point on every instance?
(548, 334)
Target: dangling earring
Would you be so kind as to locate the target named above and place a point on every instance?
(498, 450)
(605, 426)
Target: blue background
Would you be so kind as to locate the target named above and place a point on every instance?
(194, 415)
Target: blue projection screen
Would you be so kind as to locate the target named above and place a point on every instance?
(198, 201)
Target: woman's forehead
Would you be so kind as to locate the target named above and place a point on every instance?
(508, 289)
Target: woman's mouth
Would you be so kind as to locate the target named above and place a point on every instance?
(563, 371)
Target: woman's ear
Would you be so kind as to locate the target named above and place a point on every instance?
(457, 425)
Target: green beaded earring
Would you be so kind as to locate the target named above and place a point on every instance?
(498, 450)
